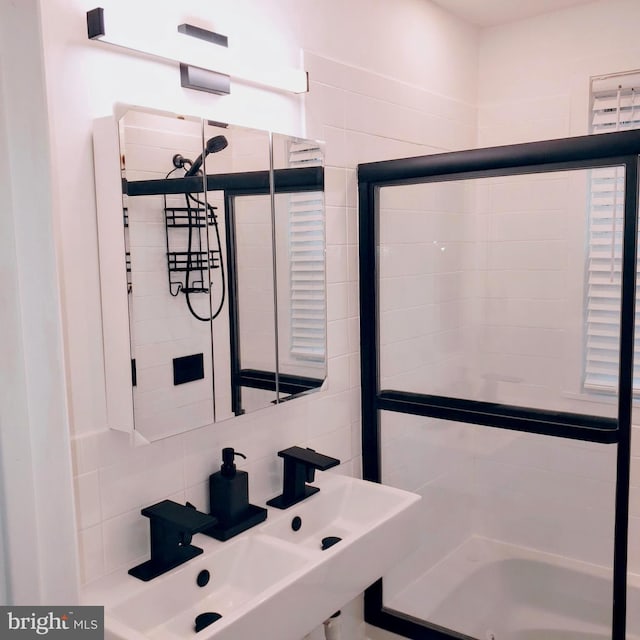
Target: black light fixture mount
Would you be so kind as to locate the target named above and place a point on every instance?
(199, 79)
(202, 68)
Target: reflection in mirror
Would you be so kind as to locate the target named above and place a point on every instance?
(244, 337)
(224, 242)
(169, 273)
(255, 302)
(272, 312)
(300, 267)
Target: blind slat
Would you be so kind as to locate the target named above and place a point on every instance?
(615, 106)
(307, 262)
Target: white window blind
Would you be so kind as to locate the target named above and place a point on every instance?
(615, 106)
(307, 261)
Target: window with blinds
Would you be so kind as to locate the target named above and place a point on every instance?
(307, 261)
(615, 106)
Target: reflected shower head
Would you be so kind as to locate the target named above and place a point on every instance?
(215, 144)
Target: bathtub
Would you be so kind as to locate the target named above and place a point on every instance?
(490, 590)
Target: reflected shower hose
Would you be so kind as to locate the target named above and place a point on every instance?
(209, 212)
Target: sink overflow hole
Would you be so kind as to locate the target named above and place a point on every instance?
(205, 619)
(329, 541)
(296, 523)
(203, 578)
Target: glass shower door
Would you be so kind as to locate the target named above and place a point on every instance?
(497, 393)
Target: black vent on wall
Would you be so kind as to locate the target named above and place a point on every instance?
(188, 368)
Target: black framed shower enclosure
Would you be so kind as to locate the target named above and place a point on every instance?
(587, 152)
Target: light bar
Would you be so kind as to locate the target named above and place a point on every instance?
(193, 46)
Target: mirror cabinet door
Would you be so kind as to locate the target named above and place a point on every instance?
(168, 267)
(225, 252)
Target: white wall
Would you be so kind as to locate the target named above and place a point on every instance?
(37, 510)
(353, 52)
(534, 74)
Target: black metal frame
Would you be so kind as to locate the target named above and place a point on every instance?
(288, 383)
(584, 152)
(248, 182)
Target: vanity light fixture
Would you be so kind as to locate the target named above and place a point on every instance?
(202, 66)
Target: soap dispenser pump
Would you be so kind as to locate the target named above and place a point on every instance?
(229, 499)
(228, 468)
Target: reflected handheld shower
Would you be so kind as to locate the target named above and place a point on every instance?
(215, 144)
(195, 262)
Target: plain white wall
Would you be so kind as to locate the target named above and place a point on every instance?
(37, 509)
(534, 74)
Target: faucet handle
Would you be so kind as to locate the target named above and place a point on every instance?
(185, 518)
(299, 468)
(309, 458)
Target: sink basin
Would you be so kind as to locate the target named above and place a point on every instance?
(242, 570)
(343, 509)
(271, 582)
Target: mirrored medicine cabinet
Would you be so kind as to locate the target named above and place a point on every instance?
(212, 266)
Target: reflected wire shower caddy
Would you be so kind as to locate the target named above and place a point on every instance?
(197, 261)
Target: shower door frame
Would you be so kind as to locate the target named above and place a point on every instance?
(584, 152)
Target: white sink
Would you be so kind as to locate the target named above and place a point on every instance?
(345, 508)
(240, 571)
(271, 582)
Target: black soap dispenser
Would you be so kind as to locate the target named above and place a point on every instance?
(229, 499)
(229, 489)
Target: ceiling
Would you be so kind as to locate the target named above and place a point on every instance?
(487, 13)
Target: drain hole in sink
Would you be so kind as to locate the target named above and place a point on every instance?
(329, 541)
(205, 619)
(296, 523)
(203, 578)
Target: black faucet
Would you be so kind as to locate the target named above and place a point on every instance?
(299, 468)
(172, 526)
